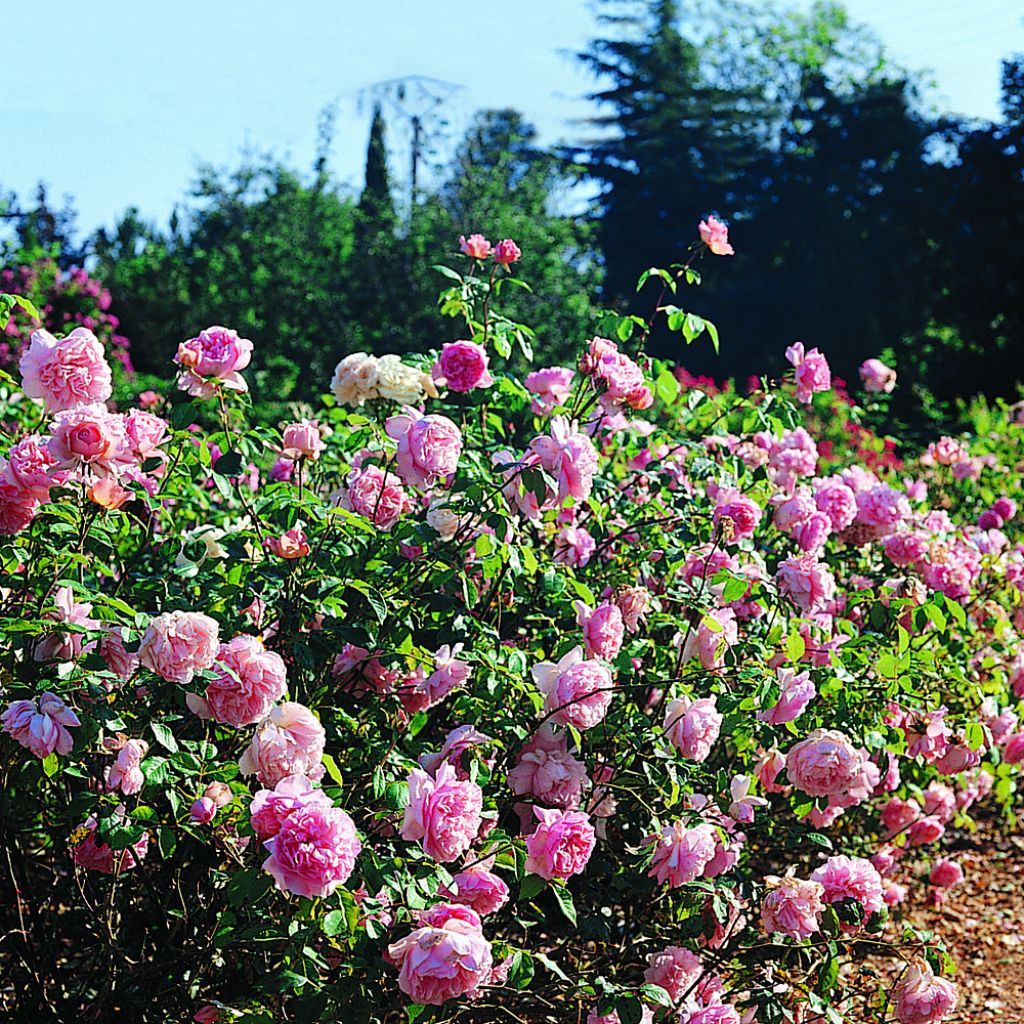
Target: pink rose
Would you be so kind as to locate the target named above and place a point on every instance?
(674, 969)
(428, 447)
(576, 691)
(795, 693)
(202, 811)
(851, 878)
(270, 807)
(824, 764)
(212, 360)
(715, 235)
(574, 546)
(447, 957)
(478, 888)
(561, 844)
(1013, 752)
(462, 367)
(623, 379)
(837, 501)
(877, 377)
(375, 494)
(88, 435)
(456, 743)
(32, 468)
(946, 873)
(546, 770)
(178, 644)
(897, 814)
(715, 635)
(807, 582)
(208, 1014)
(249, 681)
(603, 629)
(928, 829)
(692, 726)
(148, 399)
(302, 440)
(144, 433)
(120, 662)
(569, 456)
(812, 371)
(67, 372)
(743, 804)
(125, 773)
(922, 998)
(291, 544)
(792, 907)
(41, 725)
(314, 850)
(443, 813)
(681, 854)
(551, 387)
(476, 246)
(634, 603)
(289, 741)
(17, 507)
(736, 516)
(506, 252)
(93, 854)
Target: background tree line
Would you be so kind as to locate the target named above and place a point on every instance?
(862, 223)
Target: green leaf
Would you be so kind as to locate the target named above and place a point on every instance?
(414, 1011)
(656, 994)
(734, 589)
(630, 1010)
(531, 886)
(565, 903)
(51, 765)
(334, 923)
(447, 272)
(974, 733)
(164, 736)
(666, 387)
(332, 769)
(551, 965)
(229, 464)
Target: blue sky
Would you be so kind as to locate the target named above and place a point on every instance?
(116, 101)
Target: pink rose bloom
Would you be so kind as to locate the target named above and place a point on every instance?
(681, 854)
(938, 799)
(144, 433)
(837, 501)
(674, 969)
(794, 455)
(808, 583)
(574, 546)
(178, 644)
(302, 440)
(711, 1013)
(62, 645)
(208, 1014)
(41, 725)
(88, 435)
(376, 495)
(569, 456)
(603, 629)
(792, 907)
(447, 957)
(120, 662)
(546, 770)
(475, 246)
(32, 468)
(576, 691)
(462, 367)
(456, 743)
(883, 508)
(506, 252)
(270, 807)
(634, 603)
(824, 764)
(877, 377)
(692, 726)
(291, 544)
(478, 888)
(314, 850)
(946, 873)
(67, 372)
(93, 854)
(647, 1017)
(202, 811)
(211, 360)
(148, 400)
(623, 379)
(715, 235)
(947, 451)
(928, 735)
(928, 829)
(897, 814)
(795, 693)
(428, 447)
(905, 549)
(597, 349)
(125, 773)
(813, 534)
(922, 998)
(17, 507)
(768, 768)
(249, 681)
(812, 371)
(289, 741)
(443, 813)
(851, 878)
(743, 804)
(1013, 752)
(714, 636)
(551, 387)
(561, 844)
(736, 516)
(449, 673)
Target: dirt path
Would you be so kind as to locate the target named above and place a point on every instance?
(982, 921)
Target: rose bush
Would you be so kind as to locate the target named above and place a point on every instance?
(602, 695)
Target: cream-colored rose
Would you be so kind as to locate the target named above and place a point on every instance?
(400, 383)
(355, 379)
(443, 520)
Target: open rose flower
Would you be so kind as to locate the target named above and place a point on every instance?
(248, 681)
(289, 741)
(41, 725)
(178, 644)
(561, 844)
(212, 360)
(792, 907)
(66, 372)
(462, 367)
(428, 447)
(443, 812)
(314, 850)
(576, 691)
(715, 235)
(692, 726)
